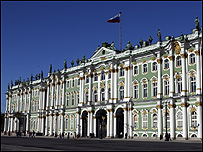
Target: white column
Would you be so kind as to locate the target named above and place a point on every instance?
(21, 105)
(88, 123)
(52, 95)
(80, 125)
(18, 101)
(130, 81)
(185, 119)
(5, 123)
(171, 76)
(112, 86)
(126, 98)
(82, 78)
(91, 122)
(114, 117)
(90, 90)
(115, 85)
(15, 124)
(51, 123)
(95, 126)
(108, 119)
(78, 122)
(111, 123)
(62, 122)
(47, 123)
(63, 93)
(172, 119)
(40, 99)
(38, 123)
(43, 99)
(199, 118)
(198, 79)
(106, 87)
(160, 120)
(130, 123)
(99, 92)
(25, 106)
(125, 121)
(11, 124)
(184, 80)
(56, 123)
(42, 124)
(57, 96)
(159, 82)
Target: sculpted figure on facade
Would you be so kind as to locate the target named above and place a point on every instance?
(50, 68)
(197, 23)
(42, 74)
(112, 46)
(77, 61)
(65, 64)
(159, 35)
(150, 40)
(181, 37)
(31, 77)
(129, 46)
(11, 83)
(141, 42)
(72, 63)
(83, 59)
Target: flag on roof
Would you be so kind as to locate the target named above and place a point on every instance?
(115, 19)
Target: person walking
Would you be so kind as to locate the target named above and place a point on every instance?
(33, 134)
(68, 135)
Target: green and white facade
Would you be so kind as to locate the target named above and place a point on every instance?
(114, 93)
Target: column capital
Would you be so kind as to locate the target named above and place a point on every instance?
(198, 103)
(172, 105)
(159, 61)
(159, 106)
(184, 104)
(197, 52)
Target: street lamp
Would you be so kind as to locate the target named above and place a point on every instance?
(167, 137)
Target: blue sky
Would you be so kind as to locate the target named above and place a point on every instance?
(37, 34)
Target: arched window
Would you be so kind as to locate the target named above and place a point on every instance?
(109, 74)
(66, 123)
(121, 71)
(72, 122)
(102, 94)
(135, 70)
(95, 96)
(178, 61)
(121, 93)
(145, 90)
(193, 84)
(144, 68)
(95, 77)
(154, 66)
(136, 121)
(87, 79)
(154, 89)
(192, 58)
(136, 91)
(144, 121)
(179, 85)
(73, 98)
(154, 118)
(73, 83)
(102, 75)
(86, 97)
(166, 64)
(194, 119)
(67, 99)
(179, 120)
(166, 87)
(78, 98)
(109, 93)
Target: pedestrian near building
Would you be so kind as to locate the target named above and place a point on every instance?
(33, 134)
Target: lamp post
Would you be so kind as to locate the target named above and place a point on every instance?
(166, 136)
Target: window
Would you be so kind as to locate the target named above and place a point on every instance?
(179, 85)
(87, 79)
(78, 98)
(66, 123)
(67, 84)
(121, 93)
(86, 97)
(109, 74)
(136, 121)
(166, 64)
(178, 61)
(109, 93)
(102, 75)
(145, 68)
(135, 70)
(136, 91)
(154, 89)
(154, 118)
(193, 84)
(179, 120)
(154, 66)
(73, 83)
(72, 96)
(166, 87)
(95, 77)
(78, 81)
(121, 71)
(168, 120)
(193, 119)
(71, 122)
(102, 94)
(144, 121)
(144, 90)
(192, 58)
(67, 99)
(95, 96)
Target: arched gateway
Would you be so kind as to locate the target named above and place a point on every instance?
(119, 123)
(84, 123)
(101, 122)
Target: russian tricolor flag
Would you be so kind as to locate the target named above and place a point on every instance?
(115, 19)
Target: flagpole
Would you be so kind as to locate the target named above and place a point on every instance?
(120, 31)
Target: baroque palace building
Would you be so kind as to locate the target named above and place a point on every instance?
(139, 92)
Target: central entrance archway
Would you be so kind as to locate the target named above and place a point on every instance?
(84, 123)
(101, 121)
(119, 123)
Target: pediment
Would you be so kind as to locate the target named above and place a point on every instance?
(102, 52)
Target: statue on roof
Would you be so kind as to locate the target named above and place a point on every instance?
(16, 82)
(172, 38)
(36, 77)
(141, 42)
(159, 35)
(50, 68)
(39, 76)
(11, 83)
(181, 37)
(197, 23)
(20, 79)
(112, 47)
(129, 46)
(83, 59)
(72, 63)
(31, 77)
(42, 74)
(150, 39)
(65, 64)
(8, 86)
(77, 61)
